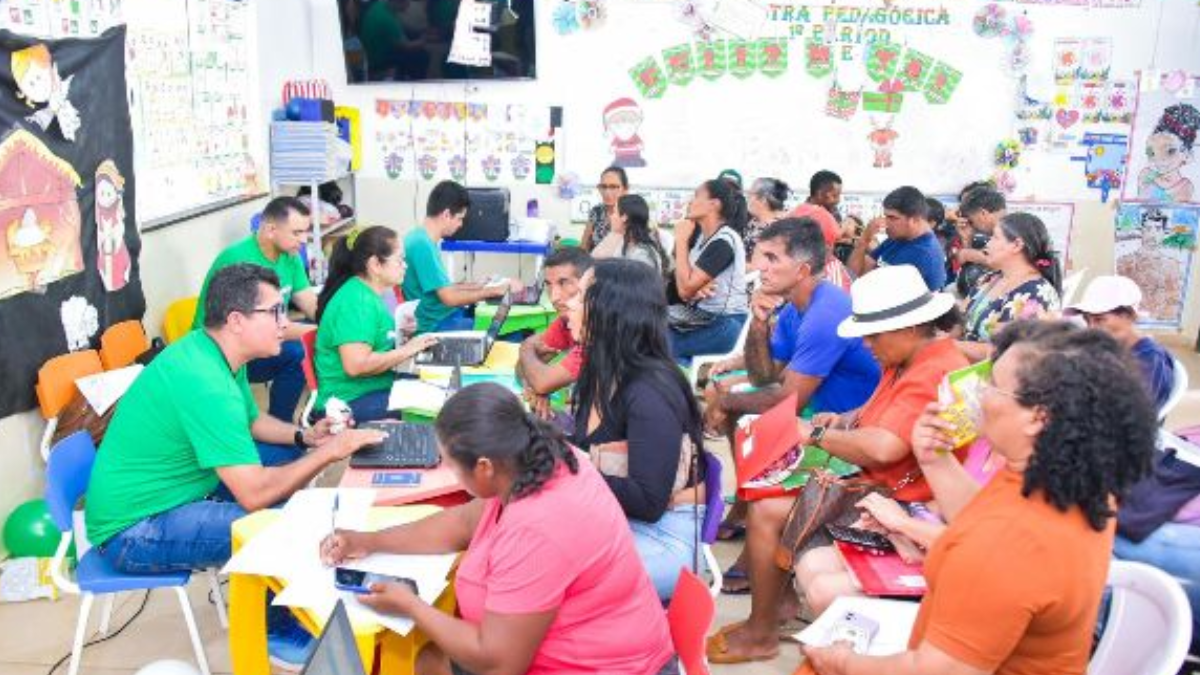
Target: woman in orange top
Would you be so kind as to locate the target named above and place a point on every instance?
(1015, 581)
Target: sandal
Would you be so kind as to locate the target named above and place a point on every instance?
(717, 649)
(736, 574)
(731, 531)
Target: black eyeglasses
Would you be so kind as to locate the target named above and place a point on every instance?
(278, 309)
(603, 186)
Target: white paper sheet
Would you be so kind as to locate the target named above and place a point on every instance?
(895, 618)
(418, 394)
(102, 390)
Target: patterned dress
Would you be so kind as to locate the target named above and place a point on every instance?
(1033, 299)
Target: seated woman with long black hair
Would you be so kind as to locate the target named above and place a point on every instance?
(549, 582)
(631, 236)
(356, 334)
(636, 417)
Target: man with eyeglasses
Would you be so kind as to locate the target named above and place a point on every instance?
(284, 229)
(187, 452)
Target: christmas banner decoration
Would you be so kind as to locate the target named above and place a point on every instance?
(679, 64)
(883, 58)
(943, 81)
(69, 243)
(773, 56)
(649, 78)
(818, 58)
(914, 70)
(711, 59)
(742, 60)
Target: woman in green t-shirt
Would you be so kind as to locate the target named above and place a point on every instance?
(356, 335)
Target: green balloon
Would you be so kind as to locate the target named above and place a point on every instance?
(30, 531)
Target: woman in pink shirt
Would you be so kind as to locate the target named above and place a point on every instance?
(550, 581)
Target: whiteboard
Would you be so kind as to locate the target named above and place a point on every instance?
(192, 77)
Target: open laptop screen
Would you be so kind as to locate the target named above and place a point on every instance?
(336, 652)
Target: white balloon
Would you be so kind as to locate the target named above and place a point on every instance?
(168, 667)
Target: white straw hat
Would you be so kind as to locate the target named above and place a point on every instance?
(891, 298)
(1107, 293)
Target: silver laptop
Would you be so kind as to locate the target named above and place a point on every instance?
(336, 652)
(466, 348)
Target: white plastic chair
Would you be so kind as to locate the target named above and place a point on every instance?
(1149, 623)
(698, 362)
(1178, 389)
(1070, 286)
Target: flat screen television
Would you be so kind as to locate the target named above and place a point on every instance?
(409, 40)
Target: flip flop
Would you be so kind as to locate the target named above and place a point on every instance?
(731, 532)
(717, 650)
(735, 574)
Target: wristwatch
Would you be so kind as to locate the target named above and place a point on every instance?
(815, 437)
(298, 439)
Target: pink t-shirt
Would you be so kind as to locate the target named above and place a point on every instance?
(558, 337)
(568, 547)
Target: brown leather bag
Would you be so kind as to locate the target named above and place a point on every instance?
(824, 500)
(78, 415)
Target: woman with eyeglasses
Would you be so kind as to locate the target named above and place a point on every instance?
(356, 335)
(1015, 582)
(613, 184)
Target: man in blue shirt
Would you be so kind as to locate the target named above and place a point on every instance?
(910, 239)
(1110, 304)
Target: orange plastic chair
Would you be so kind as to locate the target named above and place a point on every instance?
(56, 386)
(122, 343)
(690, 615)
(177, 321)
(309, 341)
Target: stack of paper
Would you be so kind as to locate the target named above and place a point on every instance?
(894, 617)
(305, 152)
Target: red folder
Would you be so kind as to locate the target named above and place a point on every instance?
(773, 435)
(882, 573)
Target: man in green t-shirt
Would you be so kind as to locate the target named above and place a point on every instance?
(442, 302)
(276, 245)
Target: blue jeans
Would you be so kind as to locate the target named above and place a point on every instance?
(668, 545)
(285, 372)
(1175, 549)
(371, 407)
(458, 320)
(718, 337)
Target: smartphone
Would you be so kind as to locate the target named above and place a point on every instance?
(357, 581)
(855, 630)
(859, 537)
(396, 478)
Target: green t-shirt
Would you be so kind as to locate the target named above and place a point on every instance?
(380, 33)
(289, 267)
(355, 313)
(424, 277)
(184, 416)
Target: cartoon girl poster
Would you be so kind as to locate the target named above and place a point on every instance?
(1163, 166)
(43, 90)
(112, 257)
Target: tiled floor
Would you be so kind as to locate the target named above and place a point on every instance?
(35, 635)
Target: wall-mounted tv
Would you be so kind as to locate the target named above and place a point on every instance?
(409, 40)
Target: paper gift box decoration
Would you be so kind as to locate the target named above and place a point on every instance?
(943, 80)
(842, 103)
(649, 78)
(710, 59)
(742, 59)
(679, 64)
(772, 56)
(888, 99)
(818, 58)
(914, 70)
(882, 60)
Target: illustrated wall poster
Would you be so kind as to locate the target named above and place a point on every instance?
(622, 119)
(1067, 55)
(44, 91)
(1154, 247)
(882, 140)
(1104, 161)
(1163, 166)
(1097, 60)
(68, 238)
(1059, 220)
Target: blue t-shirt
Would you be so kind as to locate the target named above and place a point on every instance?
(1158, 369)
(808, 342)
(924, 253)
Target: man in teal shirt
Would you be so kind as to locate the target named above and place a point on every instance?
(276, 245)
(442, 302)
(187, 452)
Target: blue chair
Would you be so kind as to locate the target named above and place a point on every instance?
(68, 470)
(714, 511)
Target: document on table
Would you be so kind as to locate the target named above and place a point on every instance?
(895, 619)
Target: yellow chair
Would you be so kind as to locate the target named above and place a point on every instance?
(122, 343)
(177, 322)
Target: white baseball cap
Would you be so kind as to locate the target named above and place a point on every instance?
(891, 298)
(1107, 293)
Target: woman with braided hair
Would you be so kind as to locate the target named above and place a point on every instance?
(550, 581)
(1168, 150)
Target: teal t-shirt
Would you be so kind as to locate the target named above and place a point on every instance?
(424, 277)
(355, 313)
(184, 416)
(289, 267)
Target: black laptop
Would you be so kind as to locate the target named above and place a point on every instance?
(336, 652)
(466, 348)
(407, 446)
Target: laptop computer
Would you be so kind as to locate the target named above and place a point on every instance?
(336, 652)
(466, 348)
(529, 296)
(407, 446)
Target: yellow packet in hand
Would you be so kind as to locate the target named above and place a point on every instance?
(960, 394)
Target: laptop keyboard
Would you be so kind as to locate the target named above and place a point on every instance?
(469, 351)
(407, 446)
